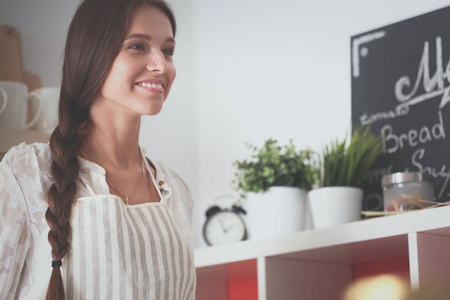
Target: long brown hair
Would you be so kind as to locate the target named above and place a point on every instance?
(94, 39)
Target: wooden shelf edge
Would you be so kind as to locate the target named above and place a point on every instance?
(12, 137)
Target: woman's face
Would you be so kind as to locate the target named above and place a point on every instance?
(143, 72)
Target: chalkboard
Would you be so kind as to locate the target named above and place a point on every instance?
(401, 89)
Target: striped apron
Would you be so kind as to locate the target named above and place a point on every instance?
(127, 252)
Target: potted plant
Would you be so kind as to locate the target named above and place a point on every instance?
(275, 181)
(343, 167)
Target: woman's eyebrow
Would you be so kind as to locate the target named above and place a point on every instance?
(146, 37)
(138, 35)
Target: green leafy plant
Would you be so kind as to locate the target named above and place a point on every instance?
(273, 165)
(343, 165)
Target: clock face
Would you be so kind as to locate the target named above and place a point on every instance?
(223, 228)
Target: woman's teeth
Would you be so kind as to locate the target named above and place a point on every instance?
(152, 85)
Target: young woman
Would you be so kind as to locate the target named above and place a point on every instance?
(88, 211)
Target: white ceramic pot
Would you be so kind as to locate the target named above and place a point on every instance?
(280, 210)
(335, 205)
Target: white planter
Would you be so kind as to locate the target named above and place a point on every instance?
(335, 205)
(281, 210)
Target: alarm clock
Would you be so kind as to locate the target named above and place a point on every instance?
(224, 226)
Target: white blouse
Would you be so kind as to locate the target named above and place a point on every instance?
(117, 251)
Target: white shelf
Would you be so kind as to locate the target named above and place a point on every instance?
(437, 219)
(415, 237)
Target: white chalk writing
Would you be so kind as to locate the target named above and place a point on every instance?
(355, 48)
(435, 172)
(393, 142)
(366, 119)
(433, 86)
(373, 202)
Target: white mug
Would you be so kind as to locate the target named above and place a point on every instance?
(4, 100)
(14, 110)
(48, 116)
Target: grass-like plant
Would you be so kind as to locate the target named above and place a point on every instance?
(343, 165)
(273, 165)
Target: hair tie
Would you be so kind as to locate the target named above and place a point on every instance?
(56, 263)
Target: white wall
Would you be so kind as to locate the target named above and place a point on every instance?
(171, 136)
(247, 70)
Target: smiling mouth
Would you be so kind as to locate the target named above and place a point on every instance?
(150, 85)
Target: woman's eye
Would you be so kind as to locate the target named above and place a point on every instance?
(169, 51)
(140, 47)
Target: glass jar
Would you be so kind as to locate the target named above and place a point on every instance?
(405, 191)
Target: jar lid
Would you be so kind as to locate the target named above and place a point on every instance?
(402, 177)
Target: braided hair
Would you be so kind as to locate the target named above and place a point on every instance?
(94, 40)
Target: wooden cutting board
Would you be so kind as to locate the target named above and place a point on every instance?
(11, 63)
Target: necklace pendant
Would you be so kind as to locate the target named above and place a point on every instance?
(126, 201)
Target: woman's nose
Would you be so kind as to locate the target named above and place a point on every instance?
(157, 62)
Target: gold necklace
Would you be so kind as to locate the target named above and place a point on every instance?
(122, 195)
